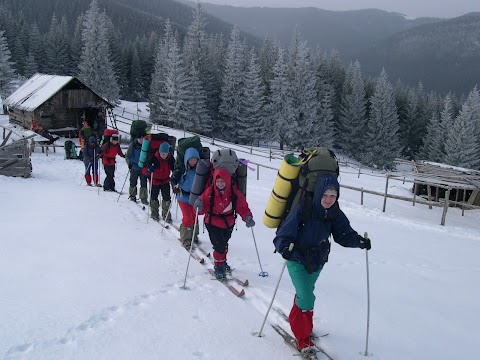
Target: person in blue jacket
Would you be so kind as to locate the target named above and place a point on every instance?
(182, 185)
(303, 241)
(132, 157)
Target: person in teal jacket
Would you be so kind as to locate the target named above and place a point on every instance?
(302, 240)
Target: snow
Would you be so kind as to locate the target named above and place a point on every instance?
(83, 276)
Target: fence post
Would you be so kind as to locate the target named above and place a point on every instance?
(464, 198)
(258, 172)
(359, 167)
(385, 197)
(429, 194)
(361, 196)
(445, 207)
(415, 188)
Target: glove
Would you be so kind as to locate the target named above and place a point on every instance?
(176, 190)
(198, 204)
(287, 252)
(249, 221)
(130, 165)
(365, 244)
(151, 169)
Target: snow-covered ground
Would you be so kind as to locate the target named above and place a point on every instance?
(83, 276)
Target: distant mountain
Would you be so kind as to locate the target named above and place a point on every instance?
(347, 31)
(444, 56)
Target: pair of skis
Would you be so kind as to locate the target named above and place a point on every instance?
(230, 277)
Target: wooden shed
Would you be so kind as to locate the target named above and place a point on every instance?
(55, 102)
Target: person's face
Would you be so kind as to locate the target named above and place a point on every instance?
(192, 161)
(140, 140)
(328, 200)
(220, 184)
(163, 155)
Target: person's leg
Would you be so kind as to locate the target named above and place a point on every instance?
(166, 202)
(219, 238)
(301, 315)
(143, 188)
(109, 184)
(132, 190)
(88, 177)
(188, 221)
(154, 203)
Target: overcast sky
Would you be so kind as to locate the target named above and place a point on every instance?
(411, 8)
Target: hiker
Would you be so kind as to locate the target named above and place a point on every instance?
(181, 186)
(99, 125)
(132, 157)
(83, 136)
(44, 132)
(160, 166)
(91, 153)
(302, 240)
(109, 151)
(220, 203)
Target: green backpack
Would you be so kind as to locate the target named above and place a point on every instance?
(316, 162)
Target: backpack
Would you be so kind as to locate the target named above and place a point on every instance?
(70, 150)
(296, 182)
(183, 145)
(107, 135)
(137, 129)
(151, 144)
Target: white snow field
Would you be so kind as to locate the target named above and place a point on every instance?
(83, 276)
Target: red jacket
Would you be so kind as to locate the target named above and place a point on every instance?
(109, 152)
(162, 168)
(222, 214)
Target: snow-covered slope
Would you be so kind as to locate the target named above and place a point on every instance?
(83, 276)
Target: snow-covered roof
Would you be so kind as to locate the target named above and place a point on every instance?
(36, 90)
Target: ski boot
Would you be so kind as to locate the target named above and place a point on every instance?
(220, 272)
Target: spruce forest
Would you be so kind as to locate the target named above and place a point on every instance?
(205, 76)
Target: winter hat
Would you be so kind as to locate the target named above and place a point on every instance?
(330, 190)
(164, 147)
(114, 137)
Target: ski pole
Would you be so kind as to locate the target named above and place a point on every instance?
(150, 196)
(259, 334)
(184, 287)
(121, 191)
(368, 300)
(262, 273)
(164, 224)
(87, 169)
(98, 166)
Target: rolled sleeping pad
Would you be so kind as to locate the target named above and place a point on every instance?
(202, 173)
(289, 170)
(241, 177)
(144, 152)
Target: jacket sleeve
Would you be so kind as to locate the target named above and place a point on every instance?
(288, 232)
(241, 206)
(128, 155)
(171, 162)
(343, 233)
(206, 196)
(120, 152)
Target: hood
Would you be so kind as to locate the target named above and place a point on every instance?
(224, 174)
(190, 153)
(322, 183)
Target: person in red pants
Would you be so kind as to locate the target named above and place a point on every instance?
(220, 202)
(302, 240)
(181, 185)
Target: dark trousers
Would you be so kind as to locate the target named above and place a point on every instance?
(134, 175)
(164, 189)
(109, 183)
(219, 237)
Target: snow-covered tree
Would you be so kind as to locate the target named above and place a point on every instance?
(36, 48)
(58, 47)
(95, 67)
(382, 143)
(233, 87)
(175, 96)
(251, 126)
(280, 110)
(195, 41)
(267, 58)
(353, 120)
(31, 66)
(461, 145)
(7, 73)
(135, 83)
(196, 104)
(323, 127)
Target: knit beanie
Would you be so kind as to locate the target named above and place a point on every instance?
(164, 147)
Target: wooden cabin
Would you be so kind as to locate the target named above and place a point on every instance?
(55, 102)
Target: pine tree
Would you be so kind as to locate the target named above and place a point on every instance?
(251, 127)
(438, 131)
(323, 128)
(382, 142)
(95, 67)
(36, 47)
(7, 74)
(267, 58)
(213, 78)
(195, 42)
(233, 87)
(175, 97)
(282, 120)
(57, 47)
(196, 108)
(136, 86)
(31, 66)
(19, 54)
(353, 120)
(461, 145)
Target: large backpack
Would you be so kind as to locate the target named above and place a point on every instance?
(186, 143)
(107, 135)
(291, 189)
(151, 143)
(70, 150)
(138, 128)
